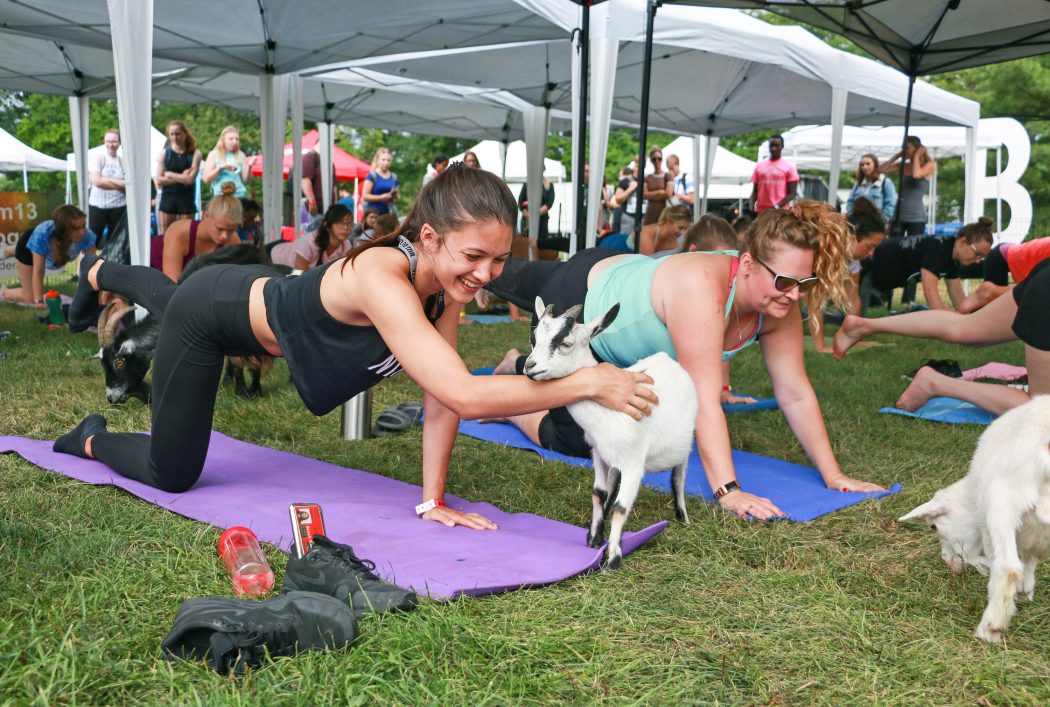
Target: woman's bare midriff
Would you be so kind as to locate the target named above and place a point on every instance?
(257, 317)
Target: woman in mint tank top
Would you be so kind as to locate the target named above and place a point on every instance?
(227, 163)
(701, 308)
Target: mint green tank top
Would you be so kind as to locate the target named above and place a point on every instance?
(637, 331)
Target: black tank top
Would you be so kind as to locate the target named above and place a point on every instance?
(178, 162)
(329, 361)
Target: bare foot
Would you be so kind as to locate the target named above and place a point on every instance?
(852, 330)
(507, 367)
(922, 387)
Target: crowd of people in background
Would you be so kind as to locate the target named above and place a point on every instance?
(779, 261)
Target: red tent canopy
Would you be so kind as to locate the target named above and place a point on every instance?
(347, 167)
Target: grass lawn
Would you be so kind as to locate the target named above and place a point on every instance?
(851, 608)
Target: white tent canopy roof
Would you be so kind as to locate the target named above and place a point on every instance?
(488, 152)
(728, 168)
(366, 98)
(755, 76)
(972, 33)
(17, 157)
(254, 36)
(809, 146)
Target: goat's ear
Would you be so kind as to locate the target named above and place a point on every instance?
(573, 312)
(540, 307)
(937, 506)
(597, 326)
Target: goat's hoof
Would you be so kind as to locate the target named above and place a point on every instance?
(989, 634)
(682, 516)
(612, 563)
(595, 540)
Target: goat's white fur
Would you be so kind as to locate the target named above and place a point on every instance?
(997, 517)
(621, 446)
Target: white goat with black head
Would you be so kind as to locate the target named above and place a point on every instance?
(997, 517)
(623, 448)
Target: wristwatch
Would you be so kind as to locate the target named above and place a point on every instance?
(726, 488)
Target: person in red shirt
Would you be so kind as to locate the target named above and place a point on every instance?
(1006, 260)
(775, 180)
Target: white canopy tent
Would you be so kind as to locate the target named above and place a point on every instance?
(808, 147)
(278, 38)
(15, 156)
(725, 169)
(514, 168)
(755, 75)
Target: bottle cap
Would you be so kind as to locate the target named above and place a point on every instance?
(230, 531)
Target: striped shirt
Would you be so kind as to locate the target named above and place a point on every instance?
(110, 168)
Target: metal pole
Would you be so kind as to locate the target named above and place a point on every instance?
(357, 416)
(581, 145)
(912, 75)
(643, 127)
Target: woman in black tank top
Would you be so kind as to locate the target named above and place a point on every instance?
(392, 303)
(175, 174)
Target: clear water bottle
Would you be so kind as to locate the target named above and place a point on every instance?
(245, 561)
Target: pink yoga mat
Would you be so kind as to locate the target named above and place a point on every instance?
(245, 484)
(996, 371)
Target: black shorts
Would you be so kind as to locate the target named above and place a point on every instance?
(178, 202)
(996, 270)
(1032, 295)
(22, 252)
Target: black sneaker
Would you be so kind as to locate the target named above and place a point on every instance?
(332, 568)
(944, 366)
(232, 634)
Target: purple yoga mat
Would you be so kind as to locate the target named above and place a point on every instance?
(244, 484)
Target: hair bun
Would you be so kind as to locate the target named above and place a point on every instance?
(228, 188)
(985, 221)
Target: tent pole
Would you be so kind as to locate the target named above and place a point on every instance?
(643, 128)
(581, 128)
(912, 75)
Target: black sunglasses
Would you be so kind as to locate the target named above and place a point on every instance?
(786, 283)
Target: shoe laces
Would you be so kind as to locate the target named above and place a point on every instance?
(250, 639)
(345, 557)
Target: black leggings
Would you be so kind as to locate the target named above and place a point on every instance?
(202, 320)
(561, 285)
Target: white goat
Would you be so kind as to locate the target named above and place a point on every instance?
(623, 448)
(997, 517)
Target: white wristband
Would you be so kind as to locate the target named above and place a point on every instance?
(427, 505)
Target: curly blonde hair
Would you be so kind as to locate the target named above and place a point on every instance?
(813, 226)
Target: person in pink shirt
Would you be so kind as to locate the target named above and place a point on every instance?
(775, 180)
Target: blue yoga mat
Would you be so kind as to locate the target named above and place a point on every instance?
(759, 404)
(797, 490)
(950, 410)
(489, 318)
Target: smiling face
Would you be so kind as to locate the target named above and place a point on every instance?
(469, 258)
(783, 260)
(867, 167)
